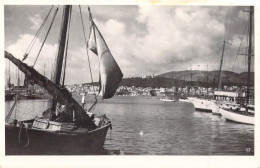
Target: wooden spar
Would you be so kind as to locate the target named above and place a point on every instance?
(249, 52)
(61, 94)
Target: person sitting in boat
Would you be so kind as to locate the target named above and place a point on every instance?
(83, 100)
(65, 113)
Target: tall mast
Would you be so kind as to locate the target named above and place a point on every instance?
(18, 77)
(44, 70)
(249, 51)
(61, 51)
(220, 68)
(190, 78)
(207, 80)
(9, 79)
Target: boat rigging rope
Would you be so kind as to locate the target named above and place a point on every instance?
(19, 137)
(12, 109)
(83, 28)
(46, 35)
(16, 107)
(28, 50)
(86, 44)
(239, 47)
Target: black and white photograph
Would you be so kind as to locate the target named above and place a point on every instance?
(129, 80)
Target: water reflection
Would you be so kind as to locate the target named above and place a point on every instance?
(143, 126)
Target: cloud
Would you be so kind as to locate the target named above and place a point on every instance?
(77, 63)
(155, 40)
(243, 15)
(46, 57)
(36, 21)
(174, 37)
(111, 11)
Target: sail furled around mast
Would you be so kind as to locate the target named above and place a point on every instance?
(110, 73)
(62, 95)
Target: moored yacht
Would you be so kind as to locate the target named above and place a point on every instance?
(224, 99)
(204, 105)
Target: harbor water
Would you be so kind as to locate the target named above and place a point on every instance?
(146, 126)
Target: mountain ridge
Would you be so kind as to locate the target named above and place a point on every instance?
(183, 79)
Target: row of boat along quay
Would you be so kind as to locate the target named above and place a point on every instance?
(192, 111)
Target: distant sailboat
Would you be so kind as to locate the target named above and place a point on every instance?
(169, 97)
(202, 104)
(65, 128)
(167, 100)
(9, 94)
(220, 96)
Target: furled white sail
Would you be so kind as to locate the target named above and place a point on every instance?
(110, 73)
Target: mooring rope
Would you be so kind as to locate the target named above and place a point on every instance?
(27, 136)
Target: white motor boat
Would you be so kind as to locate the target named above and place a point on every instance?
(203, 105)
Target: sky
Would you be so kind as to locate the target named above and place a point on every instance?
(144, 40)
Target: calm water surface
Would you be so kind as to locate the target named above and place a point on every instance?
(146, 126)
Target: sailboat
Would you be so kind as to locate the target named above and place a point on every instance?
(9, 94)
(65, 128)
(202, 104)
(244, 114)
(223, 98)
(169, 97)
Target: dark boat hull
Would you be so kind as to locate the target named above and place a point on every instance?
(42, 142)
(33, 96)
(9, 97)
(216, 114)
(203, 110)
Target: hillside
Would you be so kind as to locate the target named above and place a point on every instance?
(228, 77)
(183, 78)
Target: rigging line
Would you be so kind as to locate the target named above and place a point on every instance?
(92, 83)
(66, 52)
(12, 108)
(239, 47)
(38, 32)
(46, 36)
(16, 106)
(86, 47)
